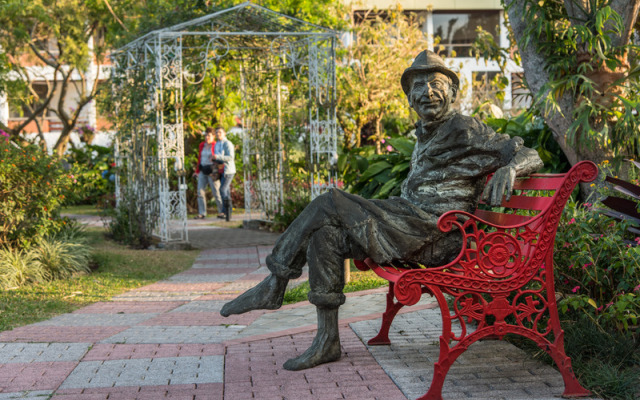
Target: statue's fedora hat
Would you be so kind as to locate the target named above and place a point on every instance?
(426, 61)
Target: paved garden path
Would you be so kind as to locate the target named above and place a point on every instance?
(168, 340)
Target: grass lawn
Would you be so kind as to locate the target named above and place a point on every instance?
(84, 209)
(117, 269)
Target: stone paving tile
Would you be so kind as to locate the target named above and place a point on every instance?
(139, 296)
(32, 395)
(129, 307)
(223, 296)
(60, 334)
(200, 391)
(176, 334)
(228, 262)
(165, 286)
(249, 251)
(16, 377)
(200, 319)
(206, 278)
(243, 267)
(254, 277)
(206, 258)
(305, 315)
(146, 372)
(255, 369)
(201, 306)
(107, 351)
(219, 270)
(489, 369)
(41, 352)
(96, 320)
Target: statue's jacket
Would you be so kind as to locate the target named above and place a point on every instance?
(449, 167)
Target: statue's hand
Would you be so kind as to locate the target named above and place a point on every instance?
(501, 183)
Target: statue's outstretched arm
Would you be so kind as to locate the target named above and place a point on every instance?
(524, 162)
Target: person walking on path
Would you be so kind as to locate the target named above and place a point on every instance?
(207, 174)
(452, 158)
(224, 154)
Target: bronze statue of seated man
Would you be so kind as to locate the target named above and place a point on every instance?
(452, 158)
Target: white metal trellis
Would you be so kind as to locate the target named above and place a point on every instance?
(265, 43)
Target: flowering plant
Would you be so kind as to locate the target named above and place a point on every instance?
(597, 268)
(33, 187)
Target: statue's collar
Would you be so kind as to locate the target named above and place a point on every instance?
(426, 128)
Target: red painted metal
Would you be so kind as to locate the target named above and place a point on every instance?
(502, 280)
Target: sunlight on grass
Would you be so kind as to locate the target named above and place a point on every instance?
(116, 270)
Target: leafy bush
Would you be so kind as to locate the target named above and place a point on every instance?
(377, 176)
(124, 225)
(597, 270)
(33, 187)
(18, 267)
(97, 176)
(536, 135)
(297, 199)
(61, 258)
(56, 256)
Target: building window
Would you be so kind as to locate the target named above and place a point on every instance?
(487, 87)
(17, 106)
(457, 30)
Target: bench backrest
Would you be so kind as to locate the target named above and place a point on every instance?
(533, 194)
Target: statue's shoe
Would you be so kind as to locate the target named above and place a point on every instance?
(267, 295)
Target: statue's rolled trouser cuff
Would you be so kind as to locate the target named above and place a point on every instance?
(280, 270)
(326, 300)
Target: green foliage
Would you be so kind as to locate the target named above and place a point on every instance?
(588, 62)
(297, 199)
(33, 187)
(61, 259)
(377, 176)
(598, 270)
(537, 135)
(18, 267)
(56, 256)
(124, 225)
(97, 177)
(606, 362)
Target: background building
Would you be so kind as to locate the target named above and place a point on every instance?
(452, 24)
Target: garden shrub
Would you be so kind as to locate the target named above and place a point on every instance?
(55, 256)
(33, 187)
(126, 225)
(60, 258)
(598, 269)
(18, 267)
(297, 199)
(96, 173)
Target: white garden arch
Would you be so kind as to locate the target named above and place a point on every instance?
(274, 53)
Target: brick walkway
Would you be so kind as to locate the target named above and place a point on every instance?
(168, 340)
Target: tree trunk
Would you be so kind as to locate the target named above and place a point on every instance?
(536, 75)
(63, 141)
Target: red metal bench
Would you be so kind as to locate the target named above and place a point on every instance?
(502, 280)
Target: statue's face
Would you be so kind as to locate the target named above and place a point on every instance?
(431, 95)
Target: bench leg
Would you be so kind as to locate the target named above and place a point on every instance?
(387, 317)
